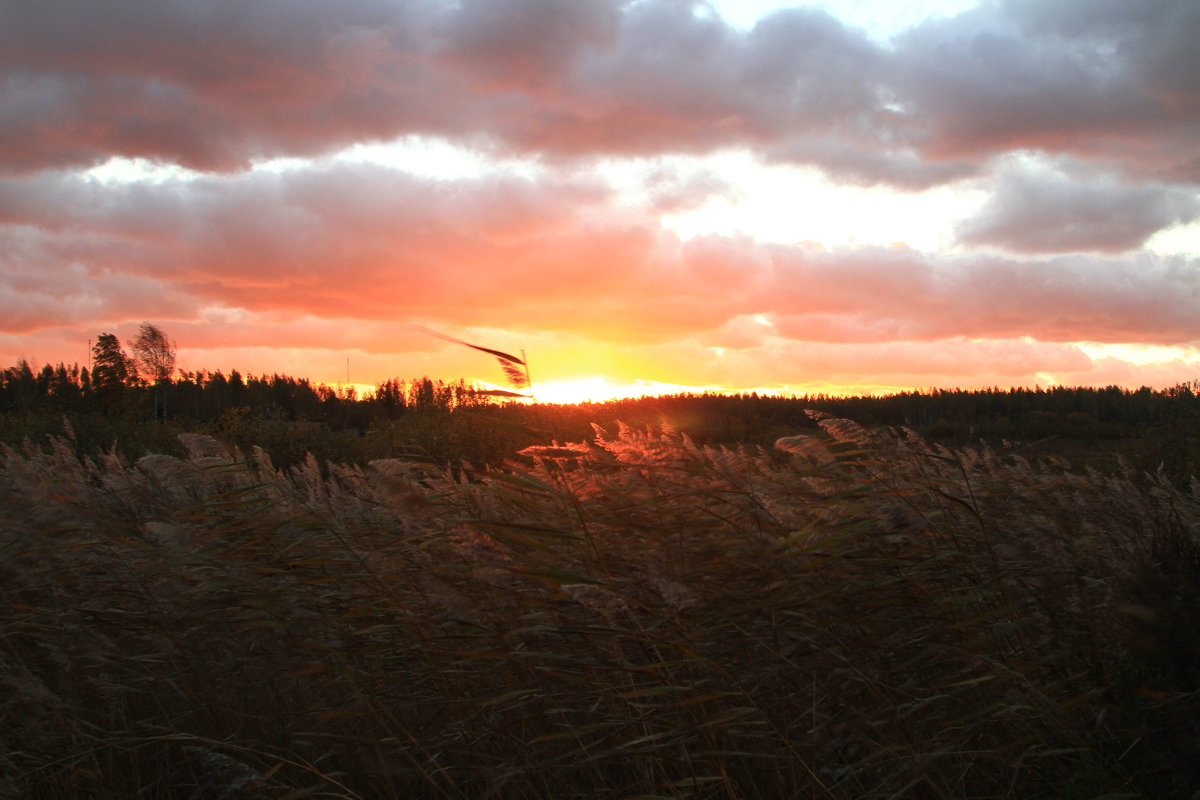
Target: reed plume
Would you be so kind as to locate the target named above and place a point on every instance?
(517, 378)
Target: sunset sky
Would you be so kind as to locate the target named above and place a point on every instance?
(854, 196)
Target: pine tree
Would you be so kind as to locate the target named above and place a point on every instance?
(112, 369)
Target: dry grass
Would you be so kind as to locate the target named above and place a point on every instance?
(853, 615)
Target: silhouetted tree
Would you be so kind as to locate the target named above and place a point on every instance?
(154, 353)
(112, 369)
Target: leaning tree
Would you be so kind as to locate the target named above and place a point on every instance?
(154, 355)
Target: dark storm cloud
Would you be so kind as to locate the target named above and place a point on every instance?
(1102, 79)
(213, 84)
(1047, 211)
(522, 45)
(209, 84)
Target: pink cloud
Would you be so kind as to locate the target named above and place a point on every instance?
(906, 294)
(350, 241)
(941, 363)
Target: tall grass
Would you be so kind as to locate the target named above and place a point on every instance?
(850, 615)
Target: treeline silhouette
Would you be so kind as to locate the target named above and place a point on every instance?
(288, 417)
(205, 396)
(452, 422)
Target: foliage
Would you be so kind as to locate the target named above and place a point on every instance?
(154, 353)
(853, 614)
(112, 369)
(448, 422)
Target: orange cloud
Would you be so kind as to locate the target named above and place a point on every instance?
(351, 241)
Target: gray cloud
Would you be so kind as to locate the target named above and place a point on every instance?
(214, 84)
(865, 165)
(522, 45)
(1047, 211)
(671, 190)
(1104, 80)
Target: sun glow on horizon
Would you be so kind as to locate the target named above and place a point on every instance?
(599, 389)
(1140, 354)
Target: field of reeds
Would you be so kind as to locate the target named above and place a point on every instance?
(850, 615)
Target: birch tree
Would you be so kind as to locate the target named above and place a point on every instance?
(154, 355)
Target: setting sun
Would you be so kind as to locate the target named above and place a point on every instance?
(598, 389)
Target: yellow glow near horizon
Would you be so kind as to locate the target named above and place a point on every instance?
(597, 389)
(593, 389)
(600, 389)
(360, 389)
(1140, 354)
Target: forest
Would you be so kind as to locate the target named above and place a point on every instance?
(233, 586)
(456, 421)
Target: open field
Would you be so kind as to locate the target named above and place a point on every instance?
(600, 400)
(853, 614)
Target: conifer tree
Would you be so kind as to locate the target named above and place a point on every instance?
(112, 369)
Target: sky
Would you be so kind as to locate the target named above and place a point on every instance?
(640, 195)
